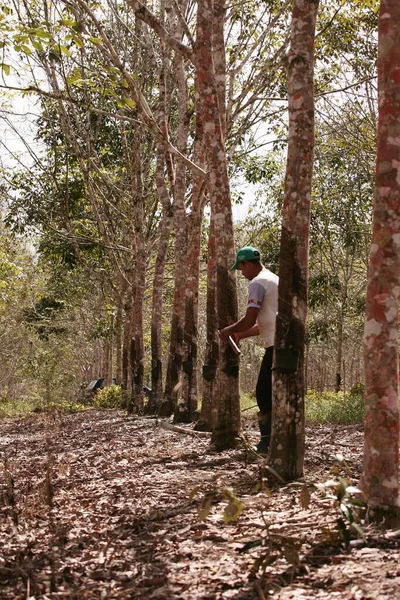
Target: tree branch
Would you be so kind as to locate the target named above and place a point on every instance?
(145, 15)
(138, 96)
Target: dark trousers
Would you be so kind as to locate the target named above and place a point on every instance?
(264, 383)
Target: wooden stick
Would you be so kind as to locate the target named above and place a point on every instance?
(170, 427)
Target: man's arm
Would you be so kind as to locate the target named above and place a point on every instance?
(244, 325)
(245, 334)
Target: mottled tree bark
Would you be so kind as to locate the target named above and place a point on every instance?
(157, 295)
(227, 385)
(164, 167)
(348, 274)
(188, 401)
(209, 408)
(190, 366)
(133, 159)
(380, 478)
(137, 350)
(219, 59)
(107, 369)
(339, 353)
(118, 343)
(126, 349)
(175, 358)
(287, 442)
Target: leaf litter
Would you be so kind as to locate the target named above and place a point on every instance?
(99, 505)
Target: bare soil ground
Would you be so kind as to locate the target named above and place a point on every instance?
(96, 505)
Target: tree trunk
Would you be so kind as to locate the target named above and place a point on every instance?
(322, 381)
(219, 59)
(188, 404)
(111, 357)
(339, 352)
(137, 348)
(209, 411)
(100, 360)
(380, 478)
(118, 344)
(190, 367)
(158, 280)
(228, 420)
(126, 349)
(106, 367)
(172, 384)
(287, 443)
(164, 166)
(137, 364)
(347, 275)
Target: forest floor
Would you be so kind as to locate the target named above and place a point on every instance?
(97, 505)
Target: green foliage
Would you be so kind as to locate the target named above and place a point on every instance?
(60, 407)
(102, 328)
(262, 169)
(109, 397)
(248, 402)
(22, 407)
(335, 407)
(321, 284)
(357, 391)
(350, 503)
(320, 328)
(41, 317)
(345, 29)
(51, 198)
(10, 409)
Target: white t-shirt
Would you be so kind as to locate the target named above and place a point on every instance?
(263, 294)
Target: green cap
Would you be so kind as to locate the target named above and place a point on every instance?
(246, 253)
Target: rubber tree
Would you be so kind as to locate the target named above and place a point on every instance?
(228, 408)
(176, 346)
(207, 93)
(165, 184)
(158, 281)
(287, 443)
(188, 405)
(380, 477)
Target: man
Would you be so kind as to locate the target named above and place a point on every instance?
(260, 317)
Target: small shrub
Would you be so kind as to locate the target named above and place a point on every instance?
(21, 408)
(351, 505)
(68, 407)
(60, 407)
(357, 390)
(17, 408)
(335, 407)
(109, 397)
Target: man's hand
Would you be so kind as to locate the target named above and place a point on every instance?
(224, 333)
(243, 328)
(237, 337)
